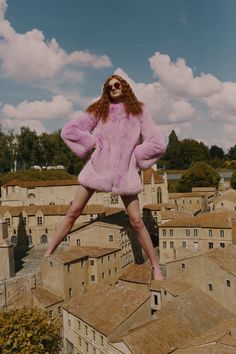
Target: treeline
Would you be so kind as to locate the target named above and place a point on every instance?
(27, 149)
(180, 154)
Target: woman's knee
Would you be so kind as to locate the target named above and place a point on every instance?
(74, 212)
(136, 221)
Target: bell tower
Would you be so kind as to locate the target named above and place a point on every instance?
(7, 263)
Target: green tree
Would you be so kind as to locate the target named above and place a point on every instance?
(199, 174)
(171, 156)
(233, 180)
(232, 153)
(6, 156)
(191, 150)
(216, 152)
(29, 331)
(29, 152)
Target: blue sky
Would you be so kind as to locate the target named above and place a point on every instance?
(178, 55)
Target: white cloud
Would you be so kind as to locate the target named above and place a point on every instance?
(8, 124)
(223, 104)
(178, 77)
(163, 105)
(30, 56)
(58, 107)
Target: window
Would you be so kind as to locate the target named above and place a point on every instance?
(101, 260)
(30, 239)
(171, 244)
(44, 239)
(222, 204)
(114, 255)
(222, 245)
(109, 257)
(228, 282)
(82, 263)
(78, 242)
(109, 272)
(155, 299)
(210, 245)
(183, 265)
(59, 310)
(92, 262)
(187, 232)
(86, 346)
(79, 325)
(50, 314)
(50, 264)
(101, 340)
(164, 232)
(210, 287)
(69, 323)
(92, 277)
(210, 233)
(114, 199)
(39, 220)
(79, 340)
(8, 220)
(69, 268)
(165, 292)
(159, 196)
(51, 203)
(222, 233)
(102, 275)
(164, 244)
(94, 335)
(86, 330)
(184, 244)
(110, 238)
(195, 232)
(14, 240)
(70, 292)
(171, 232)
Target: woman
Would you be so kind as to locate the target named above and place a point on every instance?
(113, 125)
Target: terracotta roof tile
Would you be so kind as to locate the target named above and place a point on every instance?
(100, 301)
(157, 336)
(48, 183)
(45, 297)
(137, 273)
(224, 257)
(147, 176)
(176, 286)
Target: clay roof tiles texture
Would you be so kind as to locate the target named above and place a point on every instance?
(100, 301)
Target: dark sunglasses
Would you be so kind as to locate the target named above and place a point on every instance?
(116, 85)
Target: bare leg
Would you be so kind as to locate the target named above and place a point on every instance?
(81, 198)
(131, 204)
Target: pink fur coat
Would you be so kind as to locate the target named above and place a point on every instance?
(113, 166)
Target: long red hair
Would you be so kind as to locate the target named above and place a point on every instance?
(101, 107)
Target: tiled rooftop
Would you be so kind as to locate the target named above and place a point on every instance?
(105, 307)
(45, 297)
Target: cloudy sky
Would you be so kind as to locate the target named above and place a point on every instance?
(178, 55)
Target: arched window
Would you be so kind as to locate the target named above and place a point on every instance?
(44, 239)
(31, 195)
(14, 240)
(30, 240)
(159, 195)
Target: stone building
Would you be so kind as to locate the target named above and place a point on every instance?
(193, 235)
(226, 201)
(108, 233)
(36, 225)
(7, 263)
(62, 192)
(185, 318)
(93, 319)
(214, 272)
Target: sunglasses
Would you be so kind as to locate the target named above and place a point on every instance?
(116, 86)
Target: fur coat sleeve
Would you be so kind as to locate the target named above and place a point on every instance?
(77, 134)
(153, 145)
